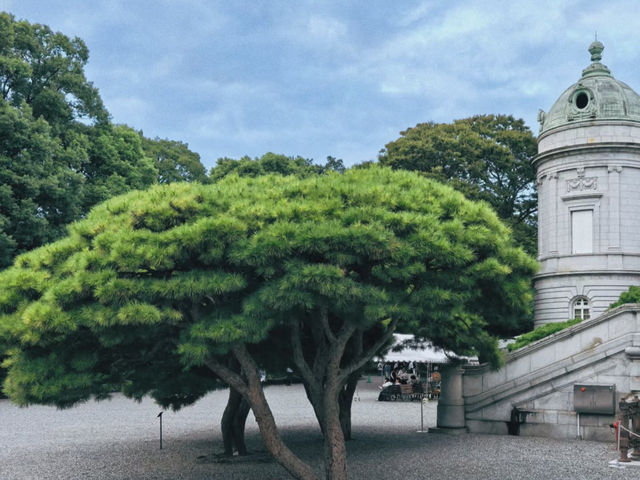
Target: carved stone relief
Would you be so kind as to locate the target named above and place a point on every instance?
(582, 183)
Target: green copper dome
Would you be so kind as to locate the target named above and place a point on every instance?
(596, 96)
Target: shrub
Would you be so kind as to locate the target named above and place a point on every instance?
(541, 332)
(630, 296)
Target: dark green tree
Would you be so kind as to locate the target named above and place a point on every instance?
(59, 153)
(45, 69)
(174, 161)
(486, 157)
(154, 288)
(115, 163)
(274, 163)
(39, 194)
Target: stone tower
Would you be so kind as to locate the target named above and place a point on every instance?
(588, 176)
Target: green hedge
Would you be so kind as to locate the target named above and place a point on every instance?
(541, 332)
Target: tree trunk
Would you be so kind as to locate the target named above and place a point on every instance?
(335, 451)
(345, 400)
(233, 423)
(316, 401)
(251, 389)
(346, 394)
(239, 422)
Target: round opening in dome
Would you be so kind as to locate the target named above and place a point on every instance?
(582, 100)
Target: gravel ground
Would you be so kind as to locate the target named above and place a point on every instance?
(119, 439)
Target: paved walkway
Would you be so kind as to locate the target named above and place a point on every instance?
(118, 439)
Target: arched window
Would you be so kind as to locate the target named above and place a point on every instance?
(580, 308)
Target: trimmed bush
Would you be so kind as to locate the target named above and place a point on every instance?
(541, 332)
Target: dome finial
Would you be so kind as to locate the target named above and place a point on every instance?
(595, 49)
(596, 68)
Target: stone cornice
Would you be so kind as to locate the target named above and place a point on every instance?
(633, 353)
(562, 153)
(574, 272)
(588, 123)
(580, 195)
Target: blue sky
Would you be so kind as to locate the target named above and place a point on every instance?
(340, 78)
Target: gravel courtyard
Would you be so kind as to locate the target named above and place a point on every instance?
(119, 439)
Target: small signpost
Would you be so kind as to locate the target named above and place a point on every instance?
(423, 400)
(160, 417)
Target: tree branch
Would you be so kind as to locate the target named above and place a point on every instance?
(324, 321)
(357, 364)
(234, 379)
(298, 354)
(337, 349)
(322, 349)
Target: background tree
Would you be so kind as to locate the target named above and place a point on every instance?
(155, 287)
(59, 153)
(38, 195)
(174, 161)
(486, 157)
(274, 163)
(45, 69)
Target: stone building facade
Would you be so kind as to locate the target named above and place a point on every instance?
(568, 385)
(588, 175)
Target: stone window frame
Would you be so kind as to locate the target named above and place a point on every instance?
(584, 201)
(574, 240)
(582, 304)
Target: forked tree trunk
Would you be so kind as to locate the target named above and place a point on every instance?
(251, 389)
(345, 400)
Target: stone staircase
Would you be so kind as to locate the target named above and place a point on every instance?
(533, 394)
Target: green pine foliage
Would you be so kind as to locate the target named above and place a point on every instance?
(150, 285)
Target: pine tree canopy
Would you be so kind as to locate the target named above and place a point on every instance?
(152, 284)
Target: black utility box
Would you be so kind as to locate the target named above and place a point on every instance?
(594, 399)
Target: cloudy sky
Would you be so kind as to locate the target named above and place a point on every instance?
(340, 78)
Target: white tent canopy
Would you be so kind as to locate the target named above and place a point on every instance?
(425, 352)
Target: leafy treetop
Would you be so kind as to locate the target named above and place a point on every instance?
(45, 69)
(174, 161)
(274, 163)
